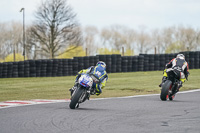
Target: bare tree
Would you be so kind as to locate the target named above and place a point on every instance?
(182, 39)
(130, 38)
(90, 33)
(2, 40)
(33, 50)
(10, 38)
(118, 36)
(112, 37)
(167, 35)
(143, 41)
(156, 40)
(189, 38)
(198, 39)
(105, 37)
(16, 37)
(56, 27)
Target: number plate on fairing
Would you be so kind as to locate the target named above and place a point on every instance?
(86, 81)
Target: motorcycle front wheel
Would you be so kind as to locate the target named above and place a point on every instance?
(75, 98)
(165, 90)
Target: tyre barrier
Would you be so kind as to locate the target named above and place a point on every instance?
(38, 67)
(124, 64)
(141, 63)
(115, 63)
(135, 63)
(1, 68)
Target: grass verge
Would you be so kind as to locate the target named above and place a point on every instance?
(119, 84)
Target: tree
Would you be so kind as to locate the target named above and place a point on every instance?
(107, 51)
(167, 37)
(129, 52)
(90, 33)
(78, 51)
(118, 36)
(143, 41)
(16, 38)
(189, 38)
(56, 27)
(198, 39)
(33, 50)
(10, 38)
(18, 57)
(173, 48)
(2, 40)
(156, 40)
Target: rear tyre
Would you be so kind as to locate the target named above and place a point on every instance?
(165, 90)
(74, 100)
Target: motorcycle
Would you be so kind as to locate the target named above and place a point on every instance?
(83, 90)
(170, 86)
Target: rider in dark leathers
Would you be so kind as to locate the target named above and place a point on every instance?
(178, 62)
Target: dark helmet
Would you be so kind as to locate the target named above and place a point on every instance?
(103, 64)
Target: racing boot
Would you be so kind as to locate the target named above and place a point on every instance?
(180, 84)
(163, 80)
(178, 87)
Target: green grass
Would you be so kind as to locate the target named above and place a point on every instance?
(119, 84)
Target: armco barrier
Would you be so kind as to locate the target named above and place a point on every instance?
(115, 63)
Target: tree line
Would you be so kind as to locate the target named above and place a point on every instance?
(56, 33)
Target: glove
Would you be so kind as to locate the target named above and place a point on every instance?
(186, 77)
(81, 71)
(187, 74)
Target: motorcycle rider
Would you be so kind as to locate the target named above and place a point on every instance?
(99, 71)
(179, 62)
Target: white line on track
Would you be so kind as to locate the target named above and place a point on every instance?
(17, 103)
(145, 95)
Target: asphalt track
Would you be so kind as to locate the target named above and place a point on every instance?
(140, 114)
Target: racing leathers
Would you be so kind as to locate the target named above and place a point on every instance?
(178, 63)
(99, 72)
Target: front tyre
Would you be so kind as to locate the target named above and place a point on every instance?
(75, 98)
(165, 90)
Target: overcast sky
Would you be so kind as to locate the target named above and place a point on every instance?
(102, 13)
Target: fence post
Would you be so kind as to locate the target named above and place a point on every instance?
(86, 51)
(122, 51)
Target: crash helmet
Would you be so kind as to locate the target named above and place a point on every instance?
(181, 56)
(101, 63)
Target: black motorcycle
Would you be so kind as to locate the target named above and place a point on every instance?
(170, 86)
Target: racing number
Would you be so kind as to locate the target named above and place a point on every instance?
(98, 73)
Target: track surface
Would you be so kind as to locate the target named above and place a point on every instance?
(146, 114)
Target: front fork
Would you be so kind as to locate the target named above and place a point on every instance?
(84, 96)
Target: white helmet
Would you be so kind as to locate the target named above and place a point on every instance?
(181, 56)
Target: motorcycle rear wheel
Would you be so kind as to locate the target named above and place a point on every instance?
(164, 95)
(75, 98)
